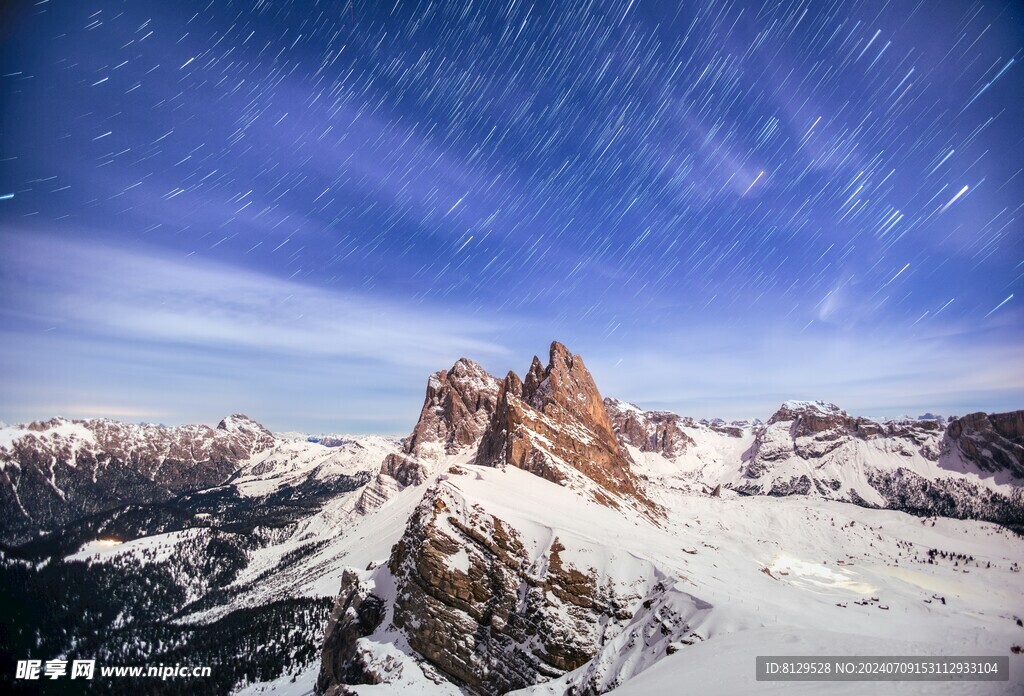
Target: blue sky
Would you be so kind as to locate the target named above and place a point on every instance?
(298, 210)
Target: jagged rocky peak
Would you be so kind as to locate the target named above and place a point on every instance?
(554, 424)
(43, 426)
(995, 442)
(649, 431)
(565, 386)
(457, 408)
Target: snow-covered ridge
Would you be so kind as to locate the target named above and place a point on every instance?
(731, 571)
(799, 405)
(971, 468)
(53, 472)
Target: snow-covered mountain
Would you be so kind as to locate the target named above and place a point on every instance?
(559, 561)
(56, 472)
(528, 535)
(971, 468)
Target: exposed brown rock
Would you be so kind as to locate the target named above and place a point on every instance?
(554, 425)
(812, 419)
(486, 623)
(826, 422)
(456, 410)
(649, 431)
(459, 404)
(357, 612)
(994, 442)
(1009, 425)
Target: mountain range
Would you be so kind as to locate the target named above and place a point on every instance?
(528, 536)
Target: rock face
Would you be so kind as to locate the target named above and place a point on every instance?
(994, 442)
(458, 405)
(456, 410)
(54, 472)
(828, 422)
(811, 430)
(462, 578)
(357, 613)
(813, 448)
(649, 431)
(475, 605)
(554, 424)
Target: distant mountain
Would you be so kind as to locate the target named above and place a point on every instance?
(145, 544)
(56, 472)
(970, 468)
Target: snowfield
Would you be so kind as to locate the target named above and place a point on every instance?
(295, 460)
(751, 576)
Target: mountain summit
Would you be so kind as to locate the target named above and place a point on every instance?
(554, 425)
(458, 405)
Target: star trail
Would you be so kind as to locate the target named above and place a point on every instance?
(301, 208)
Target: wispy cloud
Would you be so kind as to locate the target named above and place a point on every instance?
(140, 296)
(88, 330)
(132, 315)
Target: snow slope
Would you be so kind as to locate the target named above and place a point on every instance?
(749, 574)
(292, 461)
(701, 587)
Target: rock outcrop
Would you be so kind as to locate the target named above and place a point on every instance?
(811, 430)
(649, 431)
(914, 465)
(994, 442)
(473, 602)
(458, 406)
(357, 613)
(554, 424)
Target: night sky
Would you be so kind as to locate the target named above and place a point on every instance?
(299, 209)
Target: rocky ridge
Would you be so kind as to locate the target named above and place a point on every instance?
(994, 442)
(457, 408)
(56, 471)
(554, 424)
(968, 469)
(649, 431)
(481, 602)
